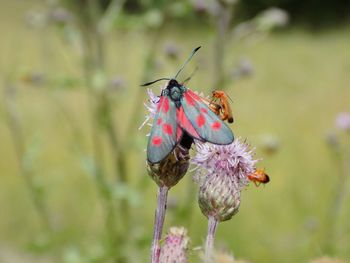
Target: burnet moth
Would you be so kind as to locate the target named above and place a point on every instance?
(181, 117)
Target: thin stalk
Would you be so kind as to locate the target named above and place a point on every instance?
(27, 174)
(337, 202)
(121, 149)
(101, 106)
(105, 103)
(94, 101)
(209, 243)
(159, 222)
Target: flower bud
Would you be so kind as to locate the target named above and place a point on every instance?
(175, 247)
(219, 197)
(170, 171)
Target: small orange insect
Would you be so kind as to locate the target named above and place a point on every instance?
(221, 106)
(259, 177)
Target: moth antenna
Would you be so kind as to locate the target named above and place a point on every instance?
(189, 78)
(154, 81)
(189, 58)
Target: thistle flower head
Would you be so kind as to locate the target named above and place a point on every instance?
(224, 169)
(175, 247)
(234, 160)
(219, 197)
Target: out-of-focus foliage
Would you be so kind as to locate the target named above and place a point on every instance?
(317, 13)
(314, 12)
(74, 186)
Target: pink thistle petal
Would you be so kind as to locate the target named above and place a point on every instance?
(234, 160)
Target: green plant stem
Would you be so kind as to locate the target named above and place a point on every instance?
(27, 173)
(91, 66)
(336, 203)
(223, 20)
(117, 147)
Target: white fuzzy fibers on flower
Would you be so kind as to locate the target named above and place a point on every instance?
(151, 107)
(234, 160)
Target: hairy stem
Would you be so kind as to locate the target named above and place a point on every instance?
(159, 222)
(209, 243)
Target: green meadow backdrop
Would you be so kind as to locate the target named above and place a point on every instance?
(73, 179)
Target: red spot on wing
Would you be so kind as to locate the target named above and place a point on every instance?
(160, 102)
(185, 123)
(167, 128)
(193, 95)
(216, 125)
(190, 101)
(200, 120)
(159, 121)
(204, 110)
(178, 133)
(157, 141)
(165, 107)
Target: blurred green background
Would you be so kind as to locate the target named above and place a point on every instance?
(74, 186)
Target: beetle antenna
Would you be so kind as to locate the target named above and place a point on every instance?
(154, 81)
(229, 98)
(189, 58)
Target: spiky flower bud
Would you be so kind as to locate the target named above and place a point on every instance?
(225, 169)
(219, 197)
(170, 170)
(176, 245)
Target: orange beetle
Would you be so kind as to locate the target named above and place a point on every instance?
(259, 177)
(221, 99)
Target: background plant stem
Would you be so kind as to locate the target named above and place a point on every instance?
(26, 171)
(337, 202)
(223, 20)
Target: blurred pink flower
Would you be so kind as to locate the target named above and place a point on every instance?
(171, 50)
(342, 121)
